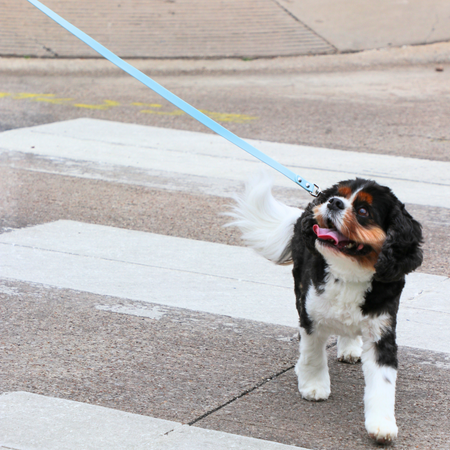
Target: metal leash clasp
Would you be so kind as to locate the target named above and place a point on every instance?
(307, 186)
(316, 191)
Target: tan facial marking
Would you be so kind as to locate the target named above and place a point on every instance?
(365, 197)
(373, 235)
(345, 191)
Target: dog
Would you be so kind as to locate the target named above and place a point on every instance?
(351, 249)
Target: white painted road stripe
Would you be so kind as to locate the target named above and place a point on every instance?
(30, 421)
(158, 269)
(211, 157)
(195, 275)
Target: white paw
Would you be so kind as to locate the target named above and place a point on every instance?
(349, 350)
(383, 431)
(315, 393)
(350, 357)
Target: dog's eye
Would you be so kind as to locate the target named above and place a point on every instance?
(363, 212)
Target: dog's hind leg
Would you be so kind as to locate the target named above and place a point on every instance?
(312, 366)
(349, 350)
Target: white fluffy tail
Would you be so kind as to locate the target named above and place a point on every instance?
(267, 225)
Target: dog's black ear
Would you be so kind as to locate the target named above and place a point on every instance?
(306, 223)
(401, 252)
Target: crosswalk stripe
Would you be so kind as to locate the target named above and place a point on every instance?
(36, 421)
(210, 277)
(185, 153)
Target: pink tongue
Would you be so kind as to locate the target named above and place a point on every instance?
(326, 233)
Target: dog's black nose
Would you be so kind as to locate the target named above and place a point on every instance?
(336, 204)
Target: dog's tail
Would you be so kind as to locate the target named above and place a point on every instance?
(267, 225)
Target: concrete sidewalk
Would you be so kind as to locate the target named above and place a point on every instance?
(213, 29)
(134, 278)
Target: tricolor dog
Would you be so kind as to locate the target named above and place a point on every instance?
(351, 249)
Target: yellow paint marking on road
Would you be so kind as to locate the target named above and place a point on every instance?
(55, 101)
(150, 105)
(107, 104)
(27, 96)
(220, 117)
(227, 117)
(47, 98)
(177, 112)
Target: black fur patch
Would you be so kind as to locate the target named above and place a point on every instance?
(386, 349)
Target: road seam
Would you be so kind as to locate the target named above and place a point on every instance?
(243, 394)
(248, 391)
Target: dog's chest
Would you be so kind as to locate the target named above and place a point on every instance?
(337, 305)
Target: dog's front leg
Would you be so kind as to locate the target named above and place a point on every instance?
(380, 374)
(312, 366)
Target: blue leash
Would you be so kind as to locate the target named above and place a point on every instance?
(181, 104)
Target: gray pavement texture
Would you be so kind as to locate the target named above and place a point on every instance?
(348, 102)
(186, 28)
(32, 198)
(178, 367)
(237, 28)
(210, 371)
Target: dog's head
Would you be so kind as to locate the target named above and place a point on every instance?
(360, 222)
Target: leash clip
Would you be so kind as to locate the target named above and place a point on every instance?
(316, 191)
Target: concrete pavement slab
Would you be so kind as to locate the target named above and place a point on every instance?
(151, 250)
(210, 277)
(185, 28)
(193, 438)
(241, 28)
(34, 193)
(209, 156)
(426, 292)
(218, 372)
(277, 412)
(176, 365)
(35, 421)
(38, 422)
(352, 25)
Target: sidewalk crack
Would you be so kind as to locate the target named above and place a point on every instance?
(242, 394)
(249, 391)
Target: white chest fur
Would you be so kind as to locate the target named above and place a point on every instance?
(336, 307)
